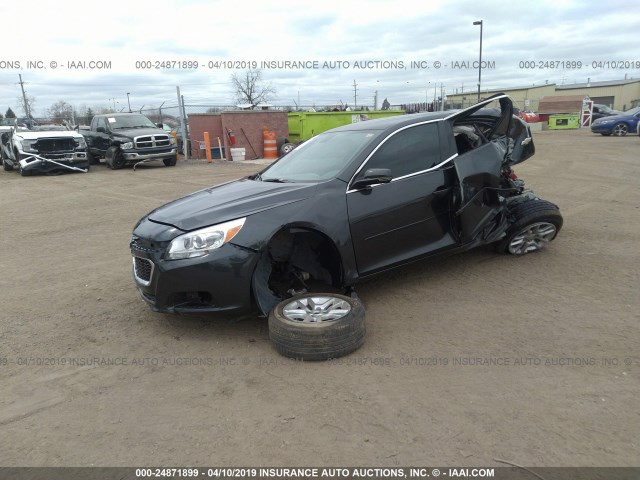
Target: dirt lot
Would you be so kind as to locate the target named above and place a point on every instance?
(467, 359)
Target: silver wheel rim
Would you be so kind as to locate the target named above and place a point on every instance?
(316, 309)
(620, 130)
(531, 238)
(287, 147)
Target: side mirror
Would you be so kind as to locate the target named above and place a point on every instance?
(159, 125)
(372, 176)
(101, 130)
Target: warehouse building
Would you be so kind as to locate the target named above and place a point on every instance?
(617, 94)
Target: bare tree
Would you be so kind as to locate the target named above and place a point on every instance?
(249, 88)
(60, 111)
(28, 108)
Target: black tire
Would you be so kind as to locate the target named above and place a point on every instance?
(93, 159)
(6, 166)
(287, 148)
(620, 129)
(317, 340)
(114, 158)
(170, 162)
(536, 221)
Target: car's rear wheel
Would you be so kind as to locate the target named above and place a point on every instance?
(170, 162)
(535, 224)
(620, 129)
(317, 326)
(114, 158)
(7, 167)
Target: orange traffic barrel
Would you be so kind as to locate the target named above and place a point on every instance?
(270, 147)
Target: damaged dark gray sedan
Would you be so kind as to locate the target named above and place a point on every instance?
(293, 240)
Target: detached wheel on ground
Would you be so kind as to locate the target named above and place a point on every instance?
(286, 148)
(170, 162)
(317, 326)
(536, 223)
(114, 158)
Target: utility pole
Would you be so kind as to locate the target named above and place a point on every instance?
(183, 123)
(479, 22)
(355, 94)
(441, 97)
(27, 111)
(160, 110)
(375, 100)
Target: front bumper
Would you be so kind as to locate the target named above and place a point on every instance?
(602, 128)
(132, 156)
(32, 163)
(219, 282)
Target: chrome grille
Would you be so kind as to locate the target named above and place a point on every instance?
(142, 245)
(151, 141)
(142, 269)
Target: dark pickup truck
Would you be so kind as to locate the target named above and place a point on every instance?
(124, 138)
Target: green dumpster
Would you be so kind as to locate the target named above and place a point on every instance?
(304, 125)
(564, 122)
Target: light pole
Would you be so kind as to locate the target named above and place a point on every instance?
(479, 22)
(129, 102)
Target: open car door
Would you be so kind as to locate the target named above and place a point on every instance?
(478, 209)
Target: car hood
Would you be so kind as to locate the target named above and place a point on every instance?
(138, 132)
(614, 118)
(29, 135)
(228, 201)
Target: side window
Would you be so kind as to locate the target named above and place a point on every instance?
(409, 151)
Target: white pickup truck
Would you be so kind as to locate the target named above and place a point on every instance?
(43, 149)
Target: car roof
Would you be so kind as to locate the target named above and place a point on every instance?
(123, 114)
(394, 121)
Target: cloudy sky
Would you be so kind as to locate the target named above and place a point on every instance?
(52, 45)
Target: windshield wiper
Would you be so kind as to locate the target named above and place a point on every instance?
(275, 180)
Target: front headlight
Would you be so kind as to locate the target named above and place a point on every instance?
(200, 242)
(127, 146)
(27, 146)
(172, 139)
(80, 143)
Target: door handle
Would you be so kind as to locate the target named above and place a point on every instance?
(441, 191)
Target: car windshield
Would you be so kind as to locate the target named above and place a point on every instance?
(319, 158)
(633, 111)
(49, 128)
(7, 122)
(130, 121)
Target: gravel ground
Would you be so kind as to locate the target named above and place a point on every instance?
(467, 359)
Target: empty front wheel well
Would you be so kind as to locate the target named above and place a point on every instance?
(296, 260)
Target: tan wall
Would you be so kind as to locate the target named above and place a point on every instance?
(624, 95)
(519, 95)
